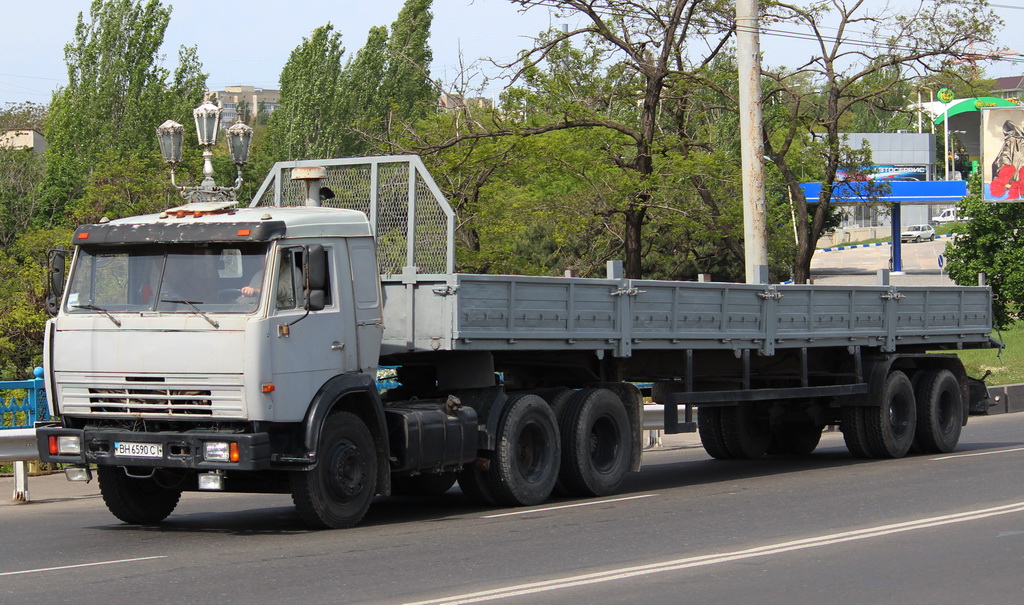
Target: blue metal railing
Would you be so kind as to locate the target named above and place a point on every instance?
(23, 402)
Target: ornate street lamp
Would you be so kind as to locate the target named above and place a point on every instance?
(207, 118)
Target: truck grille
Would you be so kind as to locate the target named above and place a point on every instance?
(176, 396)
(151, 401)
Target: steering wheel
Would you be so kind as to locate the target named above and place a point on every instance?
(229, 294)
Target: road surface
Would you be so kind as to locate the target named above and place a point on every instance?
(687, 529)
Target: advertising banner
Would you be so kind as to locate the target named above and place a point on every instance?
(1002, 154)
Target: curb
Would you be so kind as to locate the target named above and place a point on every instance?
(834, 248)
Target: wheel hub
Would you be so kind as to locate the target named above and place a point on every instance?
(348, 470)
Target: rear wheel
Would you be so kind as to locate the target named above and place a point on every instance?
(796, 438)
(940, 412)
(854, 432)
(525, 463)
(337, 492)
(746, 432)
(709, 426)
(595, 443)
(891, 426)
(137, 500)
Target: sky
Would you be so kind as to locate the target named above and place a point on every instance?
(32, 50)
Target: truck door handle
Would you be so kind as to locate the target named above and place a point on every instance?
(337, 346)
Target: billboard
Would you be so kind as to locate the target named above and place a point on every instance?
(1002, 154)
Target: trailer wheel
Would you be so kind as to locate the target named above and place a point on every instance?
(795, 438)
(136, 500)
(337, 492)
(745, 432)
(891, 426)
(854, 433)
(525, 463)
(709, 426)
(940, 412)
(595, 443)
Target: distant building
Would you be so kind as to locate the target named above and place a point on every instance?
(258, 99)
(23, 139)
(895, 156)
(449, 102)
(1010, 87)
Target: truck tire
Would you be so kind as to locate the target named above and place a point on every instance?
(709, 426)
(595, 443)
(940, 412)
(854, 433)
(556, 398)
(891, 426)
(795, 438)
(337, 492)
(745, 432)
(524, 467)
(475, 485)
(135, 500)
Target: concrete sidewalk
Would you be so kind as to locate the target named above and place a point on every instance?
(43, 489)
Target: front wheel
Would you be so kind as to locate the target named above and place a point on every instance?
(139, 500)
(337, 492)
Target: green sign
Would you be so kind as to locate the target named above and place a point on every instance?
(945, 95)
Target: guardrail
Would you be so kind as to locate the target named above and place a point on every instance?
(22, 404)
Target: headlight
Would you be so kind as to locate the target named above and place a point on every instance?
(65, 445)
(220, 451)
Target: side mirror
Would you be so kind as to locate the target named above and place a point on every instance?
(56, 263)
(315, 270)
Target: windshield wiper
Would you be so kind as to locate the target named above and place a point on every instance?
(102, 311)
(192, 304)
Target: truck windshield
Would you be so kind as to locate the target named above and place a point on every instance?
(187, 278)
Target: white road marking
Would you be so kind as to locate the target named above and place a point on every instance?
(954, 456)
(542, 510)
(713, 559)
(25, 571)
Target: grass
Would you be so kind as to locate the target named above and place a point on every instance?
(1007, 366)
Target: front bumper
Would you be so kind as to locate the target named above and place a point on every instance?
(179, 450)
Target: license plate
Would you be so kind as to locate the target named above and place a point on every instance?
(138, 450)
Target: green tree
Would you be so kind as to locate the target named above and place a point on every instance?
(308, 123)
(23, 115)
(632, 57)
(843, 76)
(121, 187)
(22, 274)
(117, 93)
(387, 83)
(21, 174)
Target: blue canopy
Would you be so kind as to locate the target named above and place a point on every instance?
(903, 192)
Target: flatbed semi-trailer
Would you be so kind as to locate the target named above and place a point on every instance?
(258, 372)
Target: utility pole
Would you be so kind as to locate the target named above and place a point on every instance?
(755, 236)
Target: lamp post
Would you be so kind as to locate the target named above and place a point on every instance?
(207, 120)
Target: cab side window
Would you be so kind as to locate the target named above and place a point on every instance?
(290, 283)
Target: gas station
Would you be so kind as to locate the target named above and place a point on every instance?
(916, 152)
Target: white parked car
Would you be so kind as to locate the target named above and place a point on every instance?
(917, 233)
